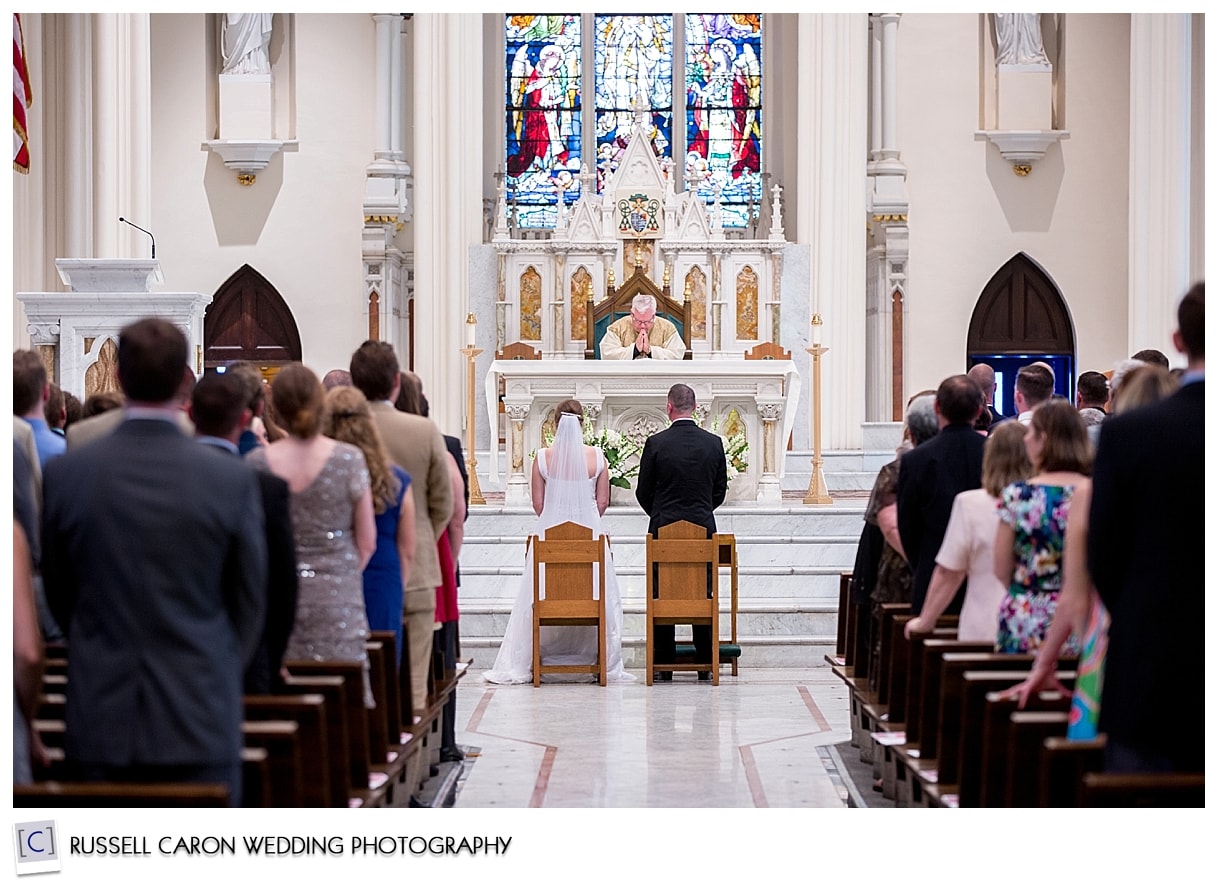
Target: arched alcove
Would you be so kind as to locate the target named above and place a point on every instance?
(249, 321)
(1019, 318)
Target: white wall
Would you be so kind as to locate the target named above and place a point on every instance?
(969, 213)
(300, 223)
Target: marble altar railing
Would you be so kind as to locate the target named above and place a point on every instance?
(629, 397)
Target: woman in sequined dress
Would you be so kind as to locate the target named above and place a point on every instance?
(332, 521)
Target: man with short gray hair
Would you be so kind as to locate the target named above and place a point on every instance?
(642, 334)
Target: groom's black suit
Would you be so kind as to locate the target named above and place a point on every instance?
(682, 477)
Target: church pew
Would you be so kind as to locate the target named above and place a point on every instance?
(52, 705)
(281, 740)
(1145, 790)
(940, 745)
(95, 794)
(256, 778)
(898, 727)
(917, 748)
(845, 620)
(863, 687)
(1063, 763)
(1029, 729)
(308, 712)
(958, 780)
(368, 787)
(338, 738)
(996, 739)
(390, 753)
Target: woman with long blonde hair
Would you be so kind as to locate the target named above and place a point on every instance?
(349, 419)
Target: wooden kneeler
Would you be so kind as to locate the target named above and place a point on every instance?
(574, 586)
(677, 594)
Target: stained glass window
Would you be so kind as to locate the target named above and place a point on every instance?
(723, 110)
(633, 63)
(544, 127)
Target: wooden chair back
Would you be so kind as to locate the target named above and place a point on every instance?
(519, 351)
(616, 305)
(682, 588)
(767, 351)
(569, 590)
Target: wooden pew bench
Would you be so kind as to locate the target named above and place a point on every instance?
(92, 794)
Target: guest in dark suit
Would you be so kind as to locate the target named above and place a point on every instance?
(221, 412)
(1145, 551)
(682, 477)
(932, 474)
(983, 376)
(155, 566)
(446, 637)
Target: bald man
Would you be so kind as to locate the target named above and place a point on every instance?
(983, 376)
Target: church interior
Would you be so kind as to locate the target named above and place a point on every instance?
(838, 210)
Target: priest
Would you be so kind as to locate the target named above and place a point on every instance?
(642, 334)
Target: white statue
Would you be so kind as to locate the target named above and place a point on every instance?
(244, 42)
(1019, 38)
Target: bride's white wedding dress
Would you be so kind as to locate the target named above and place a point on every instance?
(570, 495)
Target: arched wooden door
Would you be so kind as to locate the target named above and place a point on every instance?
(1019, 318)
(248, 321)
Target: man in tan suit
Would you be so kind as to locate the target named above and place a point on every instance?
(414, 443)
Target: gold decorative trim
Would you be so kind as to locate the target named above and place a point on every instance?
(1022, 170)
(246, 180)
(380, 219)
(890, 218)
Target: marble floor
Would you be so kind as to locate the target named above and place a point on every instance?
(761, 739)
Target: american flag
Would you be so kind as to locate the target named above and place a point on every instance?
(22, 97)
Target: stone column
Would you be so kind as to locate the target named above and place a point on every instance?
(448, 58)
(106, 134)
(1160, 180)
(769, 488)
(831, 170)
(516, 493)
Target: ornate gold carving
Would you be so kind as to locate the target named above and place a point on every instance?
(102, 375)
(530, 305)
(746, 304)
(890, 218)
(382, 219)
(581, 296)
(245, 179)
(695, 291)
(1022, 170)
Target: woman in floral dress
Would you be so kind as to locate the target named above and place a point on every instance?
(1032, 526)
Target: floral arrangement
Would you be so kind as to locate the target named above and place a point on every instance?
(735, 449)
(622, 452)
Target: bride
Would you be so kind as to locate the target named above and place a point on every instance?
(570, 483)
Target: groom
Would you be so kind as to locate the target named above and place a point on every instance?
(682, 477)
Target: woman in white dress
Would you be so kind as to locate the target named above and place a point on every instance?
(570, 483)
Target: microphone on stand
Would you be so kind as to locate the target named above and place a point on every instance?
(145, 232)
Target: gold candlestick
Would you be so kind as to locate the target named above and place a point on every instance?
(471, 460)
(818, 493)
